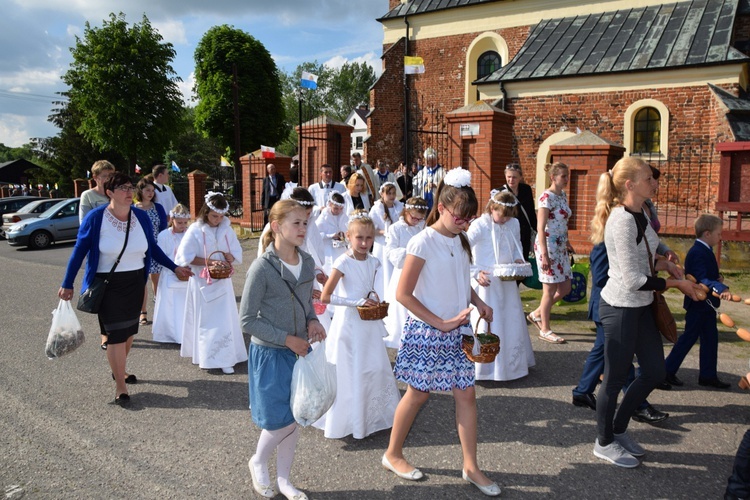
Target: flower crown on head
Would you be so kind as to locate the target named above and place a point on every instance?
(458, 177)
(416, 207)
(386, 184)
(332, 201)
(304, 203)
(359, 215)
(213, 207)
(179, 215)
(495, 192)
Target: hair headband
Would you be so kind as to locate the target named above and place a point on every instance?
(359, 215)
(210, 205)
(179, 215)
(386, 184)
(458, 177)
(495, 192)
(304, 203)
(332, 201)
(416, 207)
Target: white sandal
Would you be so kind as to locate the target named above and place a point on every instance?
(551, 337)
(534, 320)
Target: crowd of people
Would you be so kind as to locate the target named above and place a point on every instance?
(332, 248)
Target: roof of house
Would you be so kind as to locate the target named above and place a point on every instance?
(666, 36)
(738, 112)
(15, 171)
(424, 6)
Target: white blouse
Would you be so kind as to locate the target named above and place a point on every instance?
(111, 240)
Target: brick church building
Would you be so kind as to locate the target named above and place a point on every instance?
(535, 81)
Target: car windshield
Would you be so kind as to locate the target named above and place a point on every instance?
(29, 207)
(53, 210)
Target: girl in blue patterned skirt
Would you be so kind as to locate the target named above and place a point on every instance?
(435, 287)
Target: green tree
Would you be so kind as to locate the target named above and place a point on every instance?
(339, 91)
(123, 85)
(222, 51)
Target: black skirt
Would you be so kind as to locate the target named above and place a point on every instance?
(121, 306)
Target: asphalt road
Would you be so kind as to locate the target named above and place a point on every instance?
(188, 433)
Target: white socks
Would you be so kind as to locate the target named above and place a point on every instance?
(284, 441)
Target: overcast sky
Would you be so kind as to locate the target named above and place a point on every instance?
(36, 36)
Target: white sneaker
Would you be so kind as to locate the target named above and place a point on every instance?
(228, 371)
(630, 445)
(614, 453)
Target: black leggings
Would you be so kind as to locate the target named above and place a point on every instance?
(627, 331)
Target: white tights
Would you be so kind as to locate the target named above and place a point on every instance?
(284, 441)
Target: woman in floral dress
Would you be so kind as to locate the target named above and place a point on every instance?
(552, 250)
(145, 193)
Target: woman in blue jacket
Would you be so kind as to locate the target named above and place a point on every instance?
(101, 238)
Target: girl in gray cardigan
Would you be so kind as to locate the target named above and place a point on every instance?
(276, 309)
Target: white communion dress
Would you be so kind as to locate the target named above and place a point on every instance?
(493, 244)
(171, 293)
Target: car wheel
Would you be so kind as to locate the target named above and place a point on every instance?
(39, 240)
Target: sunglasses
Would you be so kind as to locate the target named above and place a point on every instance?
(460, 221)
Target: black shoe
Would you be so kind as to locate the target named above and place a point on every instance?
(130, 379)
(122, 400)
(649, 415)
(585, 400)
(671, 378)
(713, 382)
(663, 386)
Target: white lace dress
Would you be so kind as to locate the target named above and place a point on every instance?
(169, 310)
(492, 244)
(366, 394)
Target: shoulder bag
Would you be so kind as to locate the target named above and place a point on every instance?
(665, 322)
(91, 299)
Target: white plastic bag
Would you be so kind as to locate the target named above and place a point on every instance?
(313, 386)
(65, 334)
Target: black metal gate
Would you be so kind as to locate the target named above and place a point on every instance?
(221, 180)
(427, 128)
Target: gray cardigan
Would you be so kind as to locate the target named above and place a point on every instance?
(268, 310)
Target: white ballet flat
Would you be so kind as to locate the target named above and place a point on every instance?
(491, 490)
(264, 490)
(299, 496)
(413, 475)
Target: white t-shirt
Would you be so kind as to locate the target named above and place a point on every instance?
(444, 285)
(111, 239)
(165, 197)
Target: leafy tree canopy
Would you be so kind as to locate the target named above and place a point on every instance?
(124, 87)
(222, 51)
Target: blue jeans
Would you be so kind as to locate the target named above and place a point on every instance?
(594, 367)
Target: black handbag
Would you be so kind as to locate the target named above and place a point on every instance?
(90, 301)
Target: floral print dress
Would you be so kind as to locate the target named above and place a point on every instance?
(153, 215)
(556, 233)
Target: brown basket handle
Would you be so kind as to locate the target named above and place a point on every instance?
(217, 251)
(476, 326)
(377, 297)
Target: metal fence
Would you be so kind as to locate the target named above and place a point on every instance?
(428, 128)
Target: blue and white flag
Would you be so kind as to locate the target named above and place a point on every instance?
(175, 167)
(309, 81)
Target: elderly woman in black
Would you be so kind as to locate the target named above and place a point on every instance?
(119, 242)
(526, 214)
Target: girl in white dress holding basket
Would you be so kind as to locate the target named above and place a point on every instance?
(331, 224)
(383, 213)
(409, 225)
(212, 336)
(366, 391)
(169, 310)
(495, 240)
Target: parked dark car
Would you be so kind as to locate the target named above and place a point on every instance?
(59, 223)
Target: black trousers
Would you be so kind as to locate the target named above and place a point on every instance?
(628, 331)
(738, 484)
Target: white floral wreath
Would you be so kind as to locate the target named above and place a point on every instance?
(501, 203)
(213, 207)
(332, 201)
(386, 184)
(180, 215)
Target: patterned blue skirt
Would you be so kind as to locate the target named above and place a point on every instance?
(431, 360)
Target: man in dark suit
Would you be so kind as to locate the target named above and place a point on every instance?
(273, 185)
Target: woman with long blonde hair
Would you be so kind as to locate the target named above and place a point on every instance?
(625, 310)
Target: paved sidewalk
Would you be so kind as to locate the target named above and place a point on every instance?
(188, 433)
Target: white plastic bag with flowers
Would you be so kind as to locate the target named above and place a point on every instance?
(313, 386)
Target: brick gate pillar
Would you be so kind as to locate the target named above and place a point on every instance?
(479, 139)
(323, 140)
(588, 156)
(196, 190)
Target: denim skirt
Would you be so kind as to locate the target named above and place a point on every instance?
(269, 372)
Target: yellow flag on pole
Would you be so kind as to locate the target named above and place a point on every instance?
(413, 65)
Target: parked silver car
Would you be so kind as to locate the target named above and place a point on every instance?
(58, 223)
(33, 209)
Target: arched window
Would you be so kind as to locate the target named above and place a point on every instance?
(488, 63)
(647, 136)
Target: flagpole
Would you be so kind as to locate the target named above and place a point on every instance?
(406, 99)
(299, 145)
(235, 98)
